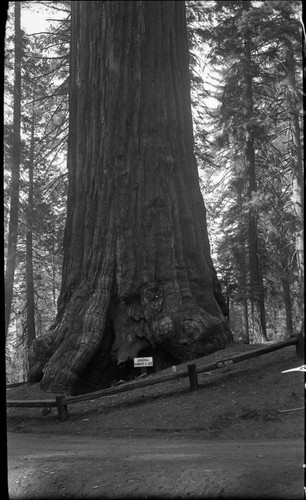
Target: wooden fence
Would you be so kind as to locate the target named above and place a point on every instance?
(61, 402)
(15, 384)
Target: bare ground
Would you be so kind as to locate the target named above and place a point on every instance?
(240, 435)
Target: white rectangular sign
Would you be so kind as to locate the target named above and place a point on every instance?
(139, 362)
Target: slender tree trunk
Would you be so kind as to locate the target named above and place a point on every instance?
(16, 151)
(256, 280)
(137, 272)
(288, 306)
(244, 287)
(243, 267)
(54, 269)
(30, 307)
(297, 171)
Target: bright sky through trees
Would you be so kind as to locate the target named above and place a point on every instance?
(35, 16)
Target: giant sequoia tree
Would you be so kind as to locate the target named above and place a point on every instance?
(137, 274)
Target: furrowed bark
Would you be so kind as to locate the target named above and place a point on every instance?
(137, 271)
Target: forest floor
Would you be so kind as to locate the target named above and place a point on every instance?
(240, 435)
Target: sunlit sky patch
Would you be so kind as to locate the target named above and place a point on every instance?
(35, 17)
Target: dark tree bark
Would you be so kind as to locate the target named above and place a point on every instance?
(244, 281)
(15, 179)
(137, 273)
(30, 301)
(288, 304)
(245, 291)
(256, 280)
(297, 170)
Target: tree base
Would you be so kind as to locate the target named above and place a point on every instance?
(172, 342)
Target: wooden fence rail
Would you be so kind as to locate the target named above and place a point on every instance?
(61, 402)
(15, 384)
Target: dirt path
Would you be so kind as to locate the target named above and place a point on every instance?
(57, 466)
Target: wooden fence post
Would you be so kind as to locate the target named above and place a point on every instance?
(193, 377)
(61, 408)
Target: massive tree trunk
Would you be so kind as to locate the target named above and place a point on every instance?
(137, 274)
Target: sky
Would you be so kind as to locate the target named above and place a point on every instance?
(34, 22)
(34, 18)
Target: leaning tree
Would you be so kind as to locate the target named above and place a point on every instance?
(137, 278)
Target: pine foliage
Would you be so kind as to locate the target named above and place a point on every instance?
(271, 27)
(44, 129)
